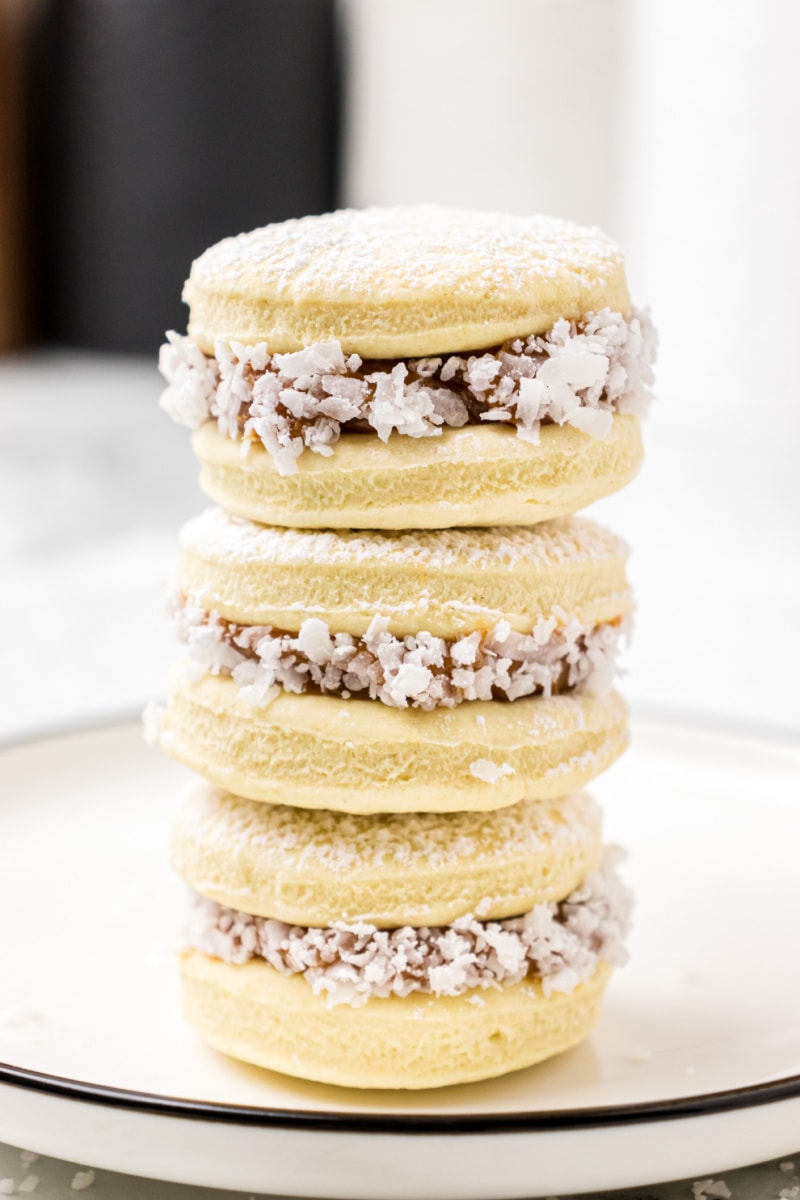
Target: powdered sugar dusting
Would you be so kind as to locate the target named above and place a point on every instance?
(298, 839)
(560, 944)
(456, 249)
(421, 671)
(215, 535)
(575, 374)
(583, 764)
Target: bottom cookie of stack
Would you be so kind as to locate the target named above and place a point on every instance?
(368, 951)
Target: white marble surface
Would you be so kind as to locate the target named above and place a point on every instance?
(56, 1180)
(94, 482)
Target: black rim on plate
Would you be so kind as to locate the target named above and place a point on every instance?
(404, 1123)
(705, 1104)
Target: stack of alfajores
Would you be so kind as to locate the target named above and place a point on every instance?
(400, 640)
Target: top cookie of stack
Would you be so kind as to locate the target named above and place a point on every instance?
(411, 368)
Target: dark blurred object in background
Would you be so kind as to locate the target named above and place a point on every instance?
(13, 293)
(161, 126)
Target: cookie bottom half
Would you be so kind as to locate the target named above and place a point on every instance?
(361, 756)
(254, 1013)
(477, 475)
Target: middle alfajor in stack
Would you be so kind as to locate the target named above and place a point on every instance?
(397, 881)
(397, 672)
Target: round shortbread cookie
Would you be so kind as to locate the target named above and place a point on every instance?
(254, 1013)
(401, 282)
(478, 475)
(317, 868)
(448, 583)
(361, 756)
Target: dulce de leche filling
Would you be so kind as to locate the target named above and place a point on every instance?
(557, 944)
(578, 373)
(421, 671)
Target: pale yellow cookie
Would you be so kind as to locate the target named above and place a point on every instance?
(316, 868)
(478, 475)
(362, 756)
(253, 1013)
(401, 282)
(446, 582)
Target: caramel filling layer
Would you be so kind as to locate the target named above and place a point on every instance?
(419, 671)
(558, 944)
(577, 374)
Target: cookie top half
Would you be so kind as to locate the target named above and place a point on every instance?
(402, 282)
(315, 868)
(446, 582)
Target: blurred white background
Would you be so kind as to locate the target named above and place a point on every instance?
(673, 126)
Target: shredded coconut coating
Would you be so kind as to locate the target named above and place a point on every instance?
(559, 944)
(419, 671)
(577, 374)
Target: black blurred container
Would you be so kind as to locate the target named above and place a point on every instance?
(162, 126)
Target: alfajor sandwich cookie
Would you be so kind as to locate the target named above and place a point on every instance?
(411, 368)
(408, 951)
(389, 672)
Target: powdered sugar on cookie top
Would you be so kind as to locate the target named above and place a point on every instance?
(218, 536)
(276, 837)
(377, 252)
(559, 944)
(575, 374)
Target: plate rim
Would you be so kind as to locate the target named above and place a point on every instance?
(594, 1117)
(250, 1116)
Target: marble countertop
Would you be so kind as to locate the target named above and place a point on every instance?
(56, 1180)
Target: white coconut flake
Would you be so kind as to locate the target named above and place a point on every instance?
(82, 1180)
(489, 772)
(711, 1189)
(576, 374)
(419, 671)
(559, 944)
(193, 379)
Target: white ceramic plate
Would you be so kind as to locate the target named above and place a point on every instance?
(694, 1068)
